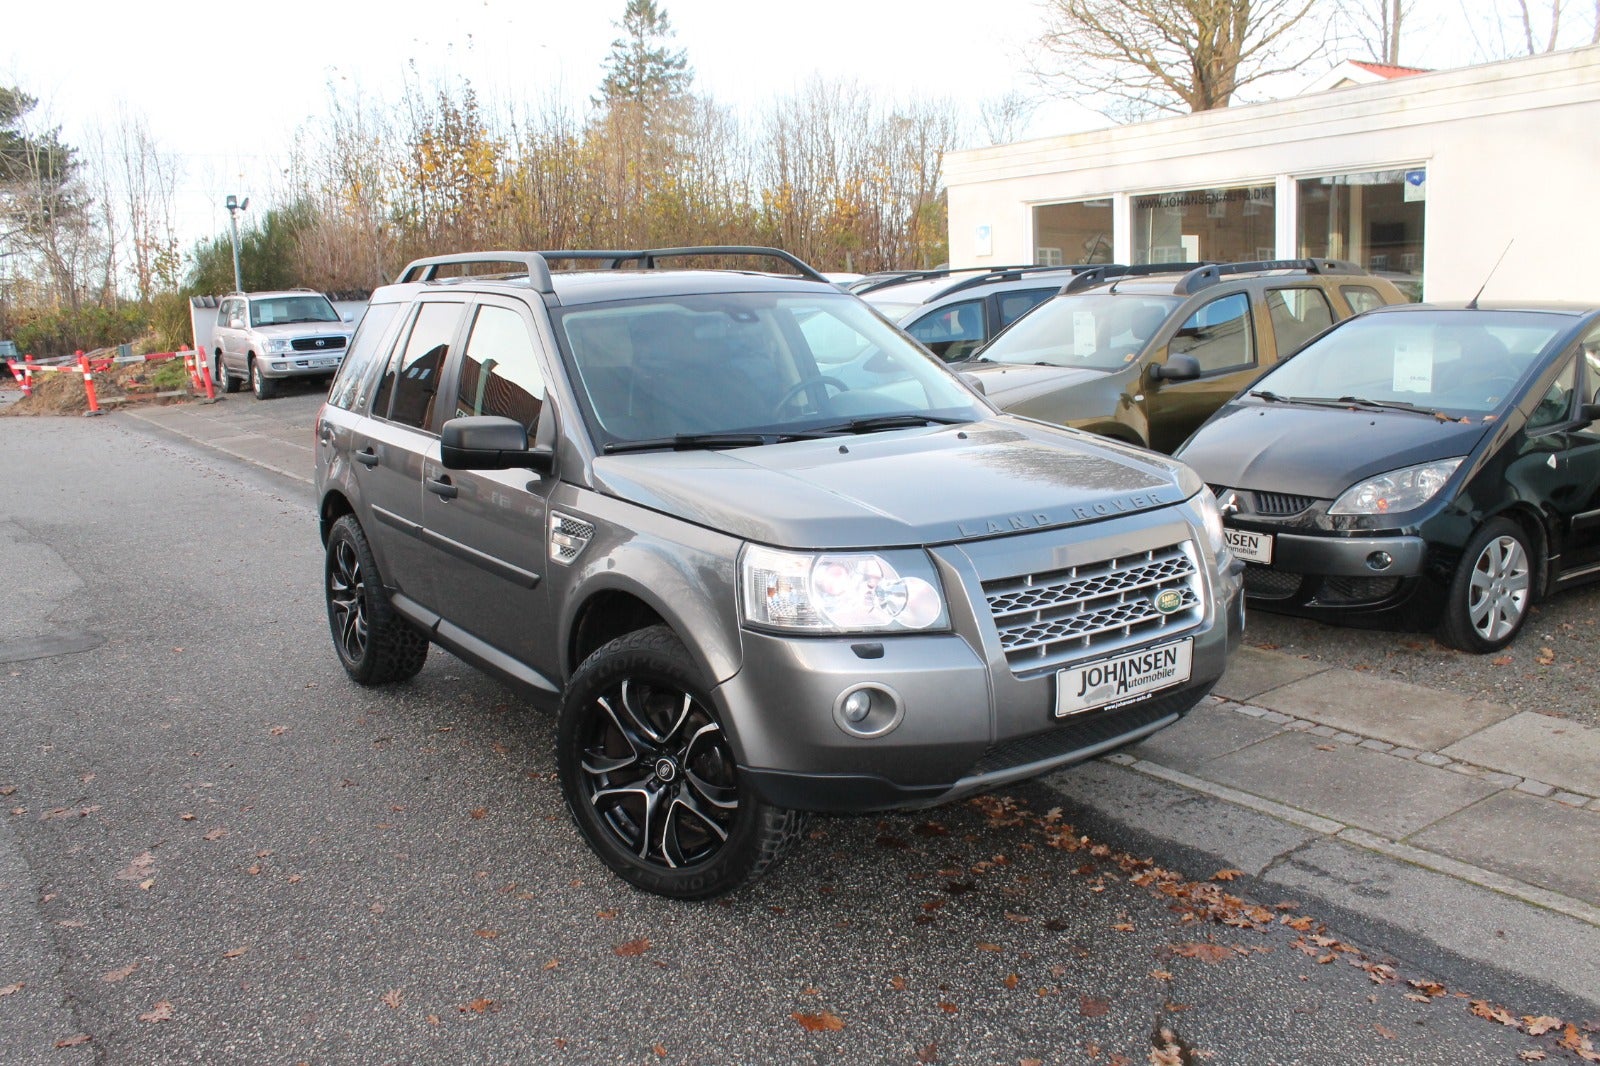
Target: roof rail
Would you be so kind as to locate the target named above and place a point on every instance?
(538, 267)
(428, 269)
(1211, 273)
(1004, 274)
(873, 282)
(1099, 275)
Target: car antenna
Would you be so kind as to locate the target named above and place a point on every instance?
(1473, 304)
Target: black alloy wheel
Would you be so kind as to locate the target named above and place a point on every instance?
(375, 645)
(650, 776)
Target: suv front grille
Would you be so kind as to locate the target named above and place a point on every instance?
(317, 344)
(1048, 620)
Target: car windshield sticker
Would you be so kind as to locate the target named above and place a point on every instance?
(1413, 363)
(1083, 339)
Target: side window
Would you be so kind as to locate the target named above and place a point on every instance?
(1218, 335)
(368, 348)
(1013, 305)
(1556, 404)
(951, 332)
(1591, 359)
(1297, 316)
(500, 371)
(414, 375)
(1361, 297)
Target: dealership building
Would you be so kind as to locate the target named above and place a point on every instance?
(1424, 177)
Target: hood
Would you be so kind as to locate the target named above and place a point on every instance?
(305, 329)
(1012, 385)
(902, 488)
(1318, 451)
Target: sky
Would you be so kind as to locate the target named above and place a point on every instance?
(225, 86)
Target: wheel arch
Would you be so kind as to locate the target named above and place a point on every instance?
(335, 505)
(1540, 538)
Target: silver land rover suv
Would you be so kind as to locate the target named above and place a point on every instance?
(265, 337)
(762, 553)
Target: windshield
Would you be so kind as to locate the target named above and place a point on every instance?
(757, 363)
(1100, 331)
(277, 310)
(1467, 362)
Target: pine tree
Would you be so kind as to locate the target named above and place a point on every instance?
(642, 69)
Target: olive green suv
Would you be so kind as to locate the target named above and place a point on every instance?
(1146, 353)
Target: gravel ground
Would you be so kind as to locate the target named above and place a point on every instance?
(1550, 668)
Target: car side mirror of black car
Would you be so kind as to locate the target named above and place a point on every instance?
(1177, 368)
(491, 442)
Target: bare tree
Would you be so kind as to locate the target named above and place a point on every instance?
(1526, 27)
(1375, 26)
(1005, 117)
(1132, 58)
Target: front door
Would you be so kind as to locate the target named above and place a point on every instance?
(1219, 336)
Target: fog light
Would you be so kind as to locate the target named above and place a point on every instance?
(280, 366)
(867, 710)
(1380, 560)
(856, 706)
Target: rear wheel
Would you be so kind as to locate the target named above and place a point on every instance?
(1492, 589)
(375, 645)
(649, 774)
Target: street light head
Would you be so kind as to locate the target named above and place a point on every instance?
(232, 203)
(246, 205)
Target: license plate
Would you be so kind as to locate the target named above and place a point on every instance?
(1124, 678)
(1251, 547)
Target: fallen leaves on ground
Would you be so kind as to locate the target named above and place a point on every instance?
(478, 1006)
(632, 947)
(111, 977)
(824, 1022)
(74, 1041)
(13, 988)
(1205, 951)
(391, 998)
(161, 1012)
(138, 868)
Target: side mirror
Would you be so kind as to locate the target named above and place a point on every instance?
(1589, 412)
(348, 316)
(1176, 368)
(490, 442)
(974, 382)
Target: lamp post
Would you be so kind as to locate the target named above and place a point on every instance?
(234, 206)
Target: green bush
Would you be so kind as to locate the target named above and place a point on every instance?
(61, 332)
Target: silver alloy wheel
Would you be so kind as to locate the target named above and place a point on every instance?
(1498, 595)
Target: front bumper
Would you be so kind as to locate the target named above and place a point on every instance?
(966, 720)
(299, 364)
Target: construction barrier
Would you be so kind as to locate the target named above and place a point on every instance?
(194, 362)
(88, 385)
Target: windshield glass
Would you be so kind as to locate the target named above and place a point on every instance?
(1467, 362)
(277, 310)
(1100, 331)
(759, 362)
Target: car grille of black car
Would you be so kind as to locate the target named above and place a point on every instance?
(1265, 583)
(1353, 590)
(1281, 504)
(317, 344)
(1079, 732)
(1048, 620)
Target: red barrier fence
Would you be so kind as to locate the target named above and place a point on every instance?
(199, 371)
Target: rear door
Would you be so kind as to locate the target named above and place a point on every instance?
(486, 530)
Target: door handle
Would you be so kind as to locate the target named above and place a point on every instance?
(366, 457)
(442, 487)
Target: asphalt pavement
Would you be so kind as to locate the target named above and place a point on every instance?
(223, 850)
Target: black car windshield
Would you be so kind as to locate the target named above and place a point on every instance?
(761, 364)
(280, 310)
(1456, 361)
(1098, 331)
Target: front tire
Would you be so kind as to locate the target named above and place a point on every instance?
(649, 775)
(1492, 589)
(264, 387)
(375, 645)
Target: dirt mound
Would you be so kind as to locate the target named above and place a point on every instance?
(62, 393)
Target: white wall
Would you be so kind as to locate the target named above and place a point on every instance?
(1512, 150)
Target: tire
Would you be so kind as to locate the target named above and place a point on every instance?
(264, 387)
(226, 381)
(374, 644)
(1492, 589)
(650, 779)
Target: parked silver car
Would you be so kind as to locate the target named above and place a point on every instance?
(265, 337)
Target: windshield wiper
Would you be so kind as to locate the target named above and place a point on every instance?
(1395, 405)
(880, 422)
(683, 442)
(1269, 396)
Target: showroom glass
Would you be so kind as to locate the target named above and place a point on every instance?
(368, 348)
(279, 310)
(414, 375)
(756, 362)
(1218, 336)
(499, 370)
(1072, 233)
(1454, 361)
(1092, 331)
(1372, 218)
(1217, 225)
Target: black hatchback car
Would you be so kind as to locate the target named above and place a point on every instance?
(1431, 466)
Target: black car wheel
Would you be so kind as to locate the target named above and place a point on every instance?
(1492, 589)
(264, 387)
(376, 646)
(649, 775)
(225, 381)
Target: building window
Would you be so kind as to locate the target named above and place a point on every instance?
(1073, 233)
(1188, 226)
(1372, 218)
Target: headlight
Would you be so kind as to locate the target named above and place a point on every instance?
(838, 592)
(1398, 490)
(279, 344)
(1205, 501)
